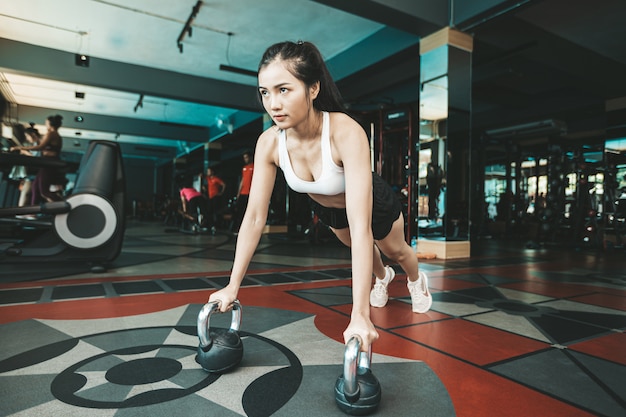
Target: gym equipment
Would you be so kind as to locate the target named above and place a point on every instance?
(357, 390)
(220, 350)
(87, 226)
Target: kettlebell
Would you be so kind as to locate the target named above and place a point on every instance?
(220, 350)
(357, 390)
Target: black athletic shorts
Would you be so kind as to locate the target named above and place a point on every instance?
(386, 209)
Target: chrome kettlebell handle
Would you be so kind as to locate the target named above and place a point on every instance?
(352, 361)
(205, 315)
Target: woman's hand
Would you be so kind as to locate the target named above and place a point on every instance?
(361, 326)
(226, 297)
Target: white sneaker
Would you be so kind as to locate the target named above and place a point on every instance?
(378, 295)
(420, 296)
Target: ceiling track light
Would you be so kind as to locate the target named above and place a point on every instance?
(238, 70)
(187, 28)
(230, 68)
(139, 103)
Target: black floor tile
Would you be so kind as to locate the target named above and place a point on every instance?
(77, 291)
(311, 275)
(339, 273)
(186, 284)
(138, 287)
(273, 278)
(327, 296)
(219, 282)
(29, 295)
(563, 331)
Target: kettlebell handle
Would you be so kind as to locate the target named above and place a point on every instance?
(353, 360)
(205, 315)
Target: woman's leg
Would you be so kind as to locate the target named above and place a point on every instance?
(48, 178)
(378, 267)
(35, 191)
(25, 192)
(395, 248)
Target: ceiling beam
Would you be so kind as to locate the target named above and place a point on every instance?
(27, 59)
(119, 125)
(418, 17)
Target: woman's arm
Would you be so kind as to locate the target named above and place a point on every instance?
(352, 145)
(254, 219)
(45, 140)
(183, 201)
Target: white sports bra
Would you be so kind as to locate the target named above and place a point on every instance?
(331, 181)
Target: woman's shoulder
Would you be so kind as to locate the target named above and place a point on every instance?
(267, 145)
(344, 126)
(341, 122)
(269, 137)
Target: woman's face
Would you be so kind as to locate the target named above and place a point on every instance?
(284, 96)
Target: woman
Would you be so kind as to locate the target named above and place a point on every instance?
(50, 147)
(32, 137)
(325, 153)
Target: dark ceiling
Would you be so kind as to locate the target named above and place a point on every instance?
(532, 60)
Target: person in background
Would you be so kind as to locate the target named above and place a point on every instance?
(50, 147)
(4, 105)
(325, 153)
(215, 187)
(243, 192)
(193, 206)
(33, 137)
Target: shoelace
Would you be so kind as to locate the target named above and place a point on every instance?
(379, 289)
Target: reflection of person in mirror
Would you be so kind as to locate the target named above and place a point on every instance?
(32, 137)
(243, 193)
(50, 147)
(214, 187)
(434, 179)
(622, 185)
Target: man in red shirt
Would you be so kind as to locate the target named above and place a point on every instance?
(244, 190)
(215, 187)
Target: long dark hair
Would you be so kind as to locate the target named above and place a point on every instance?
(305, 62)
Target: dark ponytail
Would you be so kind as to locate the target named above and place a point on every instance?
(305, 62)
(31, 130)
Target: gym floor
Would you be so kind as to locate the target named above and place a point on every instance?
(512, 332)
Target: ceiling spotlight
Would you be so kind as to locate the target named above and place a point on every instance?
(79, 119)
(81, 60)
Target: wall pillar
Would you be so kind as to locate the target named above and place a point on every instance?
(445, 101)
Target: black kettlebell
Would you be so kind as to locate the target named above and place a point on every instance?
(357, 390)
(220, 350)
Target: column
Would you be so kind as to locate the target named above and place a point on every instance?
(445, 102)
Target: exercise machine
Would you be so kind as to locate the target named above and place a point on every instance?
(88, 226)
